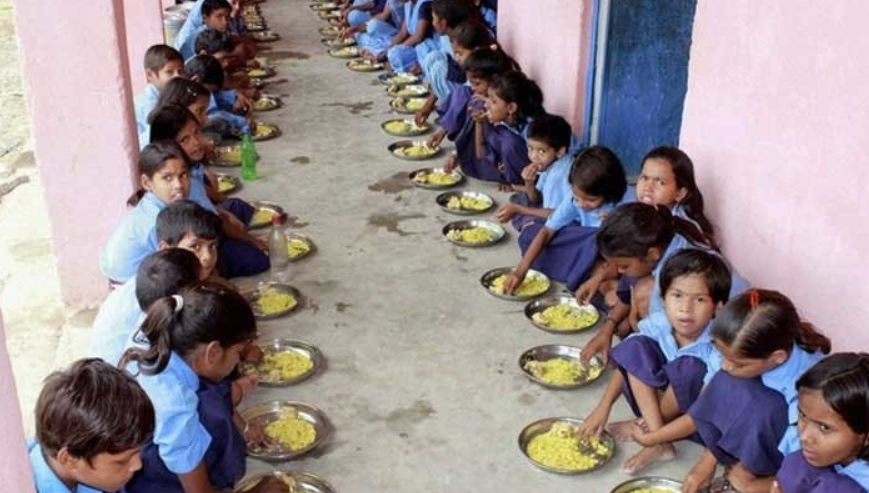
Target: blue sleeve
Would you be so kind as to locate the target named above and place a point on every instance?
(124, 252)
(562, 216)
(225, 99)
(235, 121)
(180, 438)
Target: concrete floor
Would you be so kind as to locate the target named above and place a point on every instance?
(422, 385)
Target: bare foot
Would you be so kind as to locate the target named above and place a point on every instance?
(625, 431)
(648, 456)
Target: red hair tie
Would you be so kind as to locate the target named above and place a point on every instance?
(753, 298)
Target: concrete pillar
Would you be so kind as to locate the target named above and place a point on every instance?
(81, 111)
(15, 467)
(143, 20)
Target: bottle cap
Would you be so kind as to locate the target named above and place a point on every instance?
(278, 219)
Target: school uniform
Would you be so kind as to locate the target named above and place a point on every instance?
(440, 68)
(573, 148)
(119, 316)
(357, 17)
(655, 358)
(133, 240)
(237, 26)
(144, 105)
(461, 128)
(236, 123)
(185, 41)
(798, 476)
(402, 57)
(507, 150)
(490, 17)
(378, 34)
(238, 258)
(553, 183)
(194, 425)
(44, 478)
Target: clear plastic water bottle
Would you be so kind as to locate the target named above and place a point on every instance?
(279, 255)
(248, 156)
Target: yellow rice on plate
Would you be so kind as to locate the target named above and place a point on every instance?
(469, 203)
(565, 317)
(297, 248)
(560, 371)
(531, 286)
(558, 448)
(271, 301)
(436, 178)
(415, 150)
(291, 431)
(473, 236)
(282, 366)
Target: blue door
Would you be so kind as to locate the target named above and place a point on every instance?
(640, 75)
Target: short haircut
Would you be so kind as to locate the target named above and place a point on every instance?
(164, 273)
(552, 129)
(158, 56)
(168, 120)
(212, 41)
(206, 69)
(185, 216)
(689, 261)
(488, 63)
(210, 6)
(454, 12)
(598, 171)
(90, 409)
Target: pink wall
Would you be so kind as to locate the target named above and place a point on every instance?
(15, 467)
(551, 44)
(777, 121)
(143, 23)
(81, 111)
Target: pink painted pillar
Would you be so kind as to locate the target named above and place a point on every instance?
(552, 44)
(15, 466)
(81, 110)
(143, 20)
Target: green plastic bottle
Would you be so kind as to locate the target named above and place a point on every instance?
(248, 156)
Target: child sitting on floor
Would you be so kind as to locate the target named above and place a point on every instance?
(223, 104)
(196, 339)
(438, 63)
(164, 178)
(375, 35)
(415, 30)
(215, 15)
(746, 416)
(563, 247)
(162, 64)
(92, 421)
(662, 369)
(833, 429)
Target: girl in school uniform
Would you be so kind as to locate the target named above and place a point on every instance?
(636, 239)
(746, 416)
(375, 36)
(196, 341)
(565, 242)
(440, 69)
(415, 31)
(662, 369)
(833, 429)
(164, 178)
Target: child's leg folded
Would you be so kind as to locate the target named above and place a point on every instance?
(240, 258)
(569, 257)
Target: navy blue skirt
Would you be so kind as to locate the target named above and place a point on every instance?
(237, 258)
(570, 255)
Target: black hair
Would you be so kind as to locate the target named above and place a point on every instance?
(183, 217)
(163, 273)
(683, 170)
(597, 171)
(206, 313)
(634, 228)
(516, 87)
(715, 272)
(178, 91)
(551, 129)
(471, 34)
(92, 408)
(488, 63)
(212, 41)
(206, 69)
(210, 6)
(167, 121)
(158, 56)
(454, 11)
(843, 380)
(152, 159)
(759, 322)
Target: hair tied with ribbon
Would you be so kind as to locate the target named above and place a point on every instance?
(179, 302)
(753, 298)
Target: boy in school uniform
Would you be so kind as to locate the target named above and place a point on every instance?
(215, 15)
(217, 44)
(162, 64)
(207, 71)
(92, 421)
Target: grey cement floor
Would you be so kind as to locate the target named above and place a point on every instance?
(422, 385)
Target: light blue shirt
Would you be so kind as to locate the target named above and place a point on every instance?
(225, 98)
(553, 182)
(133, 240)
(119, 316)
(178, 433)
(857, 470)
(237, 122)
(46, 480)
(198, 190)
(783, 379)
(572, 149)
(569, 211)
(145, 104)
(659, 328)
(186, 40)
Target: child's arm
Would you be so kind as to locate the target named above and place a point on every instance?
(233, 228)
(479, 134)
(400, 36)
(421, 29)
(679, 428)
(197, 481)
(436, 138)
(507, 211)
(745, 482)
(701, 474)
(596, 421)
(422, 115)
(603, 341)
(518, 275)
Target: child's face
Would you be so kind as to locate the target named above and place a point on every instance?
(741, 367)
(205, 250)
(479, 86)
(689, 305)
(160, 78)
(498, 109)
(105, 472)
(656, 184)
(220, 361)
(586, 202)
(461, 53)
(439, 23)
(219, 19)
(826, 439)
(634, 266)
(171, 183)
(200, 109)
(191, 140)
(543, 154)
